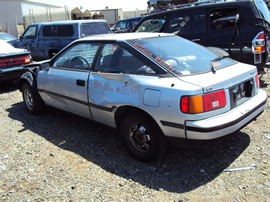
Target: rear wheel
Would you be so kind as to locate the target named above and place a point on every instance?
(32, 101)
(142, 137)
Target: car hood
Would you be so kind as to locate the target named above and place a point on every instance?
(223, 78)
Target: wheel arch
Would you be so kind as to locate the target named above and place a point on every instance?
(156, 143)
(28, 76)
(123, 110)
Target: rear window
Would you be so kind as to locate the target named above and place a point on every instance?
(95, 28)
(180, 56)
(263, 9)
(58, 31)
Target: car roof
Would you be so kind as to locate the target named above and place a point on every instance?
(132, 18)
(202, 4)
(70, 22)
(123, 36)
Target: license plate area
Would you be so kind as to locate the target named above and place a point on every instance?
(242, 92)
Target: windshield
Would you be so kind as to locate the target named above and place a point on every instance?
(180, 56)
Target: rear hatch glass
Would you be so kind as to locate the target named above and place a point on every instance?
(95, 28)
(180, 56)
(263, 9)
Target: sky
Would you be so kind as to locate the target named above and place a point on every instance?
(126, 5)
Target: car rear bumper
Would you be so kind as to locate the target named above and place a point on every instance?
(9, 74)
(227, 123)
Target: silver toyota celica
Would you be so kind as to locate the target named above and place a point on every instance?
(155, 88)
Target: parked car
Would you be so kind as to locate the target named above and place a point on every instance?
(12, 61)
(6, 37)
(45, 39)
(240, 27)
(126, 25)
(149, 88)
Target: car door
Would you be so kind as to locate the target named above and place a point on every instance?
(116, 80)
(199, 27)
(223, 30)
(29, 39)
(64, 84)
(189, 24)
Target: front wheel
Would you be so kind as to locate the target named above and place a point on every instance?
(142, 137)
(32, 101)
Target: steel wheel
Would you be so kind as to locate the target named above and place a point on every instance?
(32, 100)
(28, 99)
(142, 137)
(139, 137)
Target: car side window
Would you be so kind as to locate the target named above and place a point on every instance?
(199, 22)
(179, 23)
(151, 25)
(223, 18)
(121, 25)
(58, 30)
(50, 31)
(80, 56)
(30, 32)
(116, 59)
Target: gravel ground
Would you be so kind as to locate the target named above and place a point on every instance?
(59, 156)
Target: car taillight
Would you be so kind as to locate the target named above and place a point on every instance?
(259, 43)
(258, 47)
(203, 103)
(257, 81)
(27, 60)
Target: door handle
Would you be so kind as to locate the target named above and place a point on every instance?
(80, 82)
(194, 40)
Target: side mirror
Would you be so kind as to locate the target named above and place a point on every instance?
(45, 65)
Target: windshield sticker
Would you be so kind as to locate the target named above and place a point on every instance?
(142, 48)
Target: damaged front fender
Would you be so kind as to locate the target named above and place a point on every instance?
(28, 76)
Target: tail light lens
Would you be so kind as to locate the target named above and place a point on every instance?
(203, 103)
(257, 81)
(258, 43)
(27, 60)
(258, 47)
(15, 60)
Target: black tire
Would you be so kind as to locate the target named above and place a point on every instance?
(32, 100)
(142, 137)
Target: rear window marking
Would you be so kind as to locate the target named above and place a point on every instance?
(156, 58)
